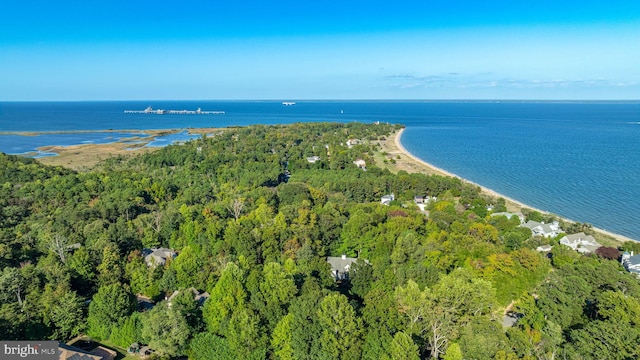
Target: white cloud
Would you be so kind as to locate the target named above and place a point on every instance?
(489, 80)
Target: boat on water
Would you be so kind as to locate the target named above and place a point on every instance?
(288, 103)
(150, 110)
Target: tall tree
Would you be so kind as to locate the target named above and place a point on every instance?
(403, 347)
(165, 330)
(109, 306)
(227, 296)
(12, 286)
(341, 329)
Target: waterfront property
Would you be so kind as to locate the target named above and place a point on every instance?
(544, 248)
(509, 215)
(542, 229)
(581, 243)
(631, 263)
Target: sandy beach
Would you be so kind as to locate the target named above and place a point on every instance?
(85, 157)
(410, 163)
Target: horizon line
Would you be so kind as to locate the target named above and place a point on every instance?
(338, 100)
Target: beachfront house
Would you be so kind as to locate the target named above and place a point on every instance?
(544, 248)
(542, 229)
(580, 242)
(509, 215)
(631, 263)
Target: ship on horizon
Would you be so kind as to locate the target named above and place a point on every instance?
(150, 110)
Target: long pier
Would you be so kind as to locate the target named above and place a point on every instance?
(151, 110)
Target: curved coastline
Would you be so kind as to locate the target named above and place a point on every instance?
(511, 203)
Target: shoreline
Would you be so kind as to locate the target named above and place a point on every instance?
(393, 146)
(82, 157)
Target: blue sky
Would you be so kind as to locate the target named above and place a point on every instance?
(113, 50)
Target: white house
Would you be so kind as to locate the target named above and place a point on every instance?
(361, 164)
(352, 142)
(631, 262)
(542, 229)
(580, 242)
(387, 199)
(544, 248)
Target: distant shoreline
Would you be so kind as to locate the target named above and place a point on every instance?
(414, 164)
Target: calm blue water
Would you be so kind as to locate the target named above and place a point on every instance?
(578, 160)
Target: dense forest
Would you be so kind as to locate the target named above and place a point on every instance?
(252, 222)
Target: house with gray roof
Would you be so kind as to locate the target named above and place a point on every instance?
(313, 159)
(199, 297)
(509, 215)
(340, 266)
(544, 248)
(581, 242)
(631, 262)
(68, 352)
(154, 256)
(542, 229)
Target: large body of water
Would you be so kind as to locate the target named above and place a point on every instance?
(577, 160)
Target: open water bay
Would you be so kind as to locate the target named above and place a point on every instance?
(580, 160)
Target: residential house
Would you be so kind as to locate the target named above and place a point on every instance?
(423, 201)
(544, 248)
(154, 256)
(104, 353)
(68, 352)
(340, 266)
(313, 159)
(144, 303)
(509, 215)
(361, 164)
(542, 229)
(631, 262)
(580, 242)
(200, 298)
(352, 142)
(387, 199)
